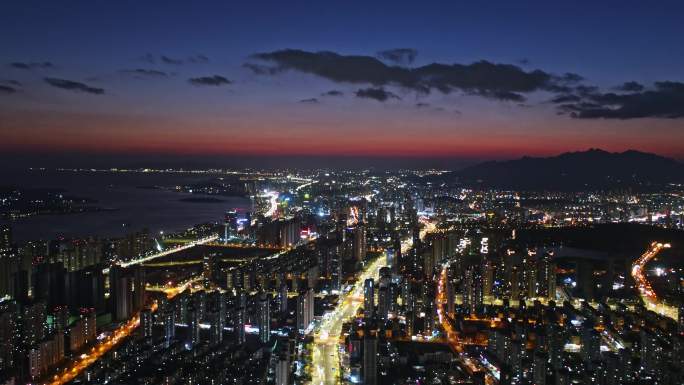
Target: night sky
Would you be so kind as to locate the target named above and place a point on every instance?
(404, 81)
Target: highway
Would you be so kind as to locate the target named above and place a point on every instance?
(648, 295)
(325, 364)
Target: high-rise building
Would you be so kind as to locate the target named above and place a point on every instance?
(49, 284)
(391, 260)
(451, 298)
(591, 344)
(370, 360)
(359, 243)
(126, 291)
(282, 372)
(539, 367)
(383, 302)
(546, 276)
(305, 309)
(169, 320)
(146, 323)
(472, 290)
(428, 265)
(368, 299)
(397, 254)
(85, 288)
(282, 298)
(216, 323)
(240, 317)
(264, 317)
(195, 327)
(33, 323)
(8, 260)
(9, 338)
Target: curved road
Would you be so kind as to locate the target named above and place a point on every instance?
(648, 295)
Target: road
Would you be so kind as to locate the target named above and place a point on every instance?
(325, 365)
(441, 299)
(325, 368)
(97, 351)
(648, 295)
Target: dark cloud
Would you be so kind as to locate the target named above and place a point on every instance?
(11, 82)
(168, 60)
(570, 77)
(666, 100)
(145, 72)
(7, 89)
(401, 56)
(584, 90)
(216, 80)
(194, 59)
(524, 61)
(333, 93)
(491, 80)
(379, 94)
(422, 105)
(566, 99)
(309, 101)
(32, 65)
(73, 86)
(149, 58)
(198, 59)
(260, 69)
(630, 87)
(506, 96)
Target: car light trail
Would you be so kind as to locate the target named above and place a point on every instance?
(648, 295)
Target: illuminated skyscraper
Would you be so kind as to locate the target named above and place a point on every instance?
(472, 289)
(195, 328)
(7, 260)
(264, 317)
(169, 320)
(146, 323)
(282, 298)
(359, 243)
(240, 318)
(368, 299)
(305, 309)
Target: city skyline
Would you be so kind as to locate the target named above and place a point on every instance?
(437, 85)
(341, 193)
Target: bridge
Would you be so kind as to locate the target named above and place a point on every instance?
(147, 258)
